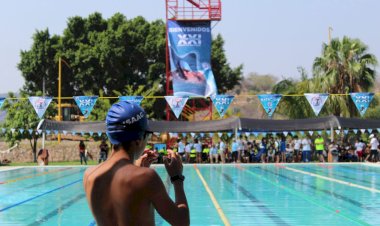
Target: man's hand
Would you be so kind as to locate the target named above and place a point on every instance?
(173, 163)
(146, 159)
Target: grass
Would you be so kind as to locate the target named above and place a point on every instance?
(70, 163)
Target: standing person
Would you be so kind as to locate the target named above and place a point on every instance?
(214, 157)
(103, 151)
(297, 142)
(333, 149)
(181, 148)
(374, 144)
(234, 150)
(263, 149)
(306, 149)
(124, 190)
(43, 157)
(283, 149)
(319, 143)
(222, 151)
(198, 149)
(82, 152)
(359, 149)
(188, 148)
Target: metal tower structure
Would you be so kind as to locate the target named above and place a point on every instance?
(190, 10)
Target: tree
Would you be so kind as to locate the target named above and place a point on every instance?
(225, 76)
(21, 115)
(344, 67)
(107, 55)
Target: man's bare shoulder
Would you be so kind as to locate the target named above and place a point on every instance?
(137, 177)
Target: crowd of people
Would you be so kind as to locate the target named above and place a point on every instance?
(275, 149)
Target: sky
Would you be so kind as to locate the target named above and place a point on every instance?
(266, 36)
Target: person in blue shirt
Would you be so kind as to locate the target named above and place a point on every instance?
(234, 150)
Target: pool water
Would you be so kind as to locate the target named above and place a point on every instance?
(286, 194)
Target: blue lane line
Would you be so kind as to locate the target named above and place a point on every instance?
(45, 193)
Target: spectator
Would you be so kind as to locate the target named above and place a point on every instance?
(43, 157)
(82, 152)
(319, 143)
(103, 151)
(306, 149)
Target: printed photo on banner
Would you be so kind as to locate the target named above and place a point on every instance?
(40, 104)
(362, 101)
(269, 102)
(316, 101)
(190, 58)
(221, 103)
(86, 104)
(176, 104)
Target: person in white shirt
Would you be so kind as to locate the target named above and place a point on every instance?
(188, 148)
(306, 149)
(359, 149)
(222, 149)
(297, 149)
(181, 149)
(374, 144)
(214, 157)
(198, 149)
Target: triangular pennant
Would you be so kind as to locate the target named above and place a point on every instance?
(2, 100)
(56, 132)
(369, 130)
(362, 130)
(183, 134)
(39, 131)
(238, 134)
(229, 134)
(73, 133)
(13, 130)
(269, 102)
(378, 129)
(3, 130)
(21, 131)
(64, 132)
(285, 133)
(311, 133)
(328, 132)
(220, 134)
(319, 132)
(192, 135)
(355, 131)
(256, 134)
(30, 131)
(221, 103)
(211, 134)
(293, 133)
(100, 133)
(86, 104)
(302, 133)
(202, 134)
(264, 134)
(82, 133)
(176, 104)
(40, 104)
(316, 101)
(337, 131)
(247, 134)
(47, 132)
(91, 133)
(132, 99)
(345, 131)
(362, 101)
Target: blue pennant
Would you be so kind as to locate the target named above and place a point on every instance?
(86, 104)
(221, 103)
(362, 101)
(269, 102)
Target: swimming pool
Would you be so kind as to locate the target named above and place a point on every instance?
(288, 194)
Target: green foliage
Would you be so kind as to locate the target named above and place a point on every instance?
(101, 56)
(344, 67)
(225, 76)
(21, 115)
(255, 83)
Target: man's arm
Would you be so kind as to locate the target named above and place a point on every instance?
(177, 213)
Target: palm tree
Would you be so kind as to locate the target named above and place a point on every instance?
(344, 67)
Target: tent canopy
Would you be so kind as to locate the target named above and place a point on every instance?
(230, 124)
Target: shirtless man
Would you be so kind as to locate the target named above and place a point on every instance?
(123, 190)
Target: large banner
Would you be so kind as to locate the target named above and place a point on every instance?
(2, 100)
(362, 101)
(190, 57)
(269, 102)
(40, 104)
(316, 101)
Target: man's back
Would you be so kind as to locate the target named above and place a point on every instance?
(118, 195)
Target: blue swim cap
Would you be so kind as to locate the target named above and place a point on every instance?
(126, 121)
